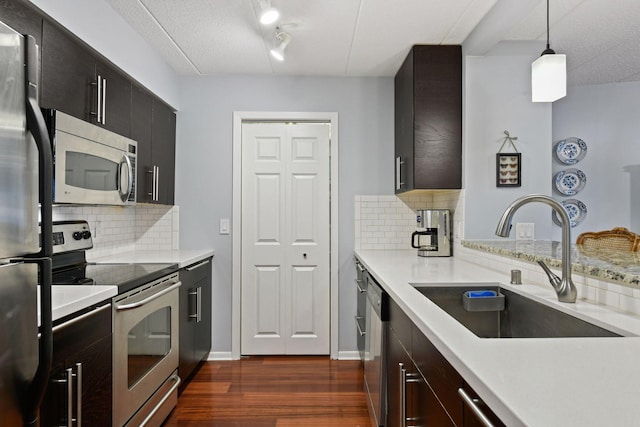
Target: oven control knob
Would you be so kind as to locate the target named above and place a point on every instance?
(86, 234)
(77, 235)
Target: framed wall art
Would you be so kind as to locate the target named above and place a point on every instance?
(508, 170)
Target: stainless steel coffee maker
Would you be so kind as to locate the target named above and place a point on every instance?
(433, 237)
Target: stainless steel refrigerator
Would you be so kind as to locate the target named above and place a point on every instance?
(25, 263)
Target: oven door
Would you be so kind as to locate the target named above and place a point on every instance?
(89, 172)
(145, 345)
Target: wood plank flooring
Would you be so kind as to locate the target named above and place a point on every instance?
(274, 391)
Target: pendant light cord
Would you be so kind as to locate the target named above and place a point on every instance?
(548, 50)
(548, 47)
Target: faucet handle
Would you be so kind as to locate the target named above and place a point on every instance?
(553, 278)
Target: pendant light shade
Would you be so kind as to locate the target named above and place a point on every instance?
(549, 74)
(549, 78)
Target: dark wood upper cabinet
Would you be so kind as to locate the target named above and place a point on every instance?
(77, 81)
(163, 134)
(68, 71)
(428, 119)
(22, 17)
(141, 117)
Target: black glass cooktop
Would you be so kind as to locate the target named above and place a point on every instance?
(124, 276)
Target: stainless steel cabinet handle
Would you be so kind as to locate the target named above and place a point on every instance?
(79, 394)
(360, 331)
(399, 164)
(104, 101)
(157, 183)
(68, 380)
(164, 399)
(360, 288)
(99, 101)
(69, 397)
(154, 183)
(473, 405)
(198, 314)
(404, 379)
(198, 265)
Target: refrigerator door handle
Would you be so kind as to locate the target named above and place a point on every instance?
(38, 129)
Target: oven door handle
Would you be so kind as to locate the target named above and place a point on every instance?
(156, 295)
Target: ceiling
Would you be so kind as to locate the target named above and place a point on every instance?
(601, 38)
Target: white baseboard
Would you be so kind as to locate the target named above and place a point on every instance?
(348, 355)
(220, 355)
(227, 355)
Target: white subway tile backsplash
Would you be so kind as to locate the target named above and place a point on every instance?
(116, 229)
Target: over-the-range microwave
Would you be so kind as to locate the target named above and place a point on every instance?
(92, 165)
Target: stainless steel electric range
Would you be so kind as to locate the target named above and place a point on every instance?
(145, 324)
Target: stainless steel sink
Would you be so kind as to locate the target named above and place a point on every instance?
(521, 317)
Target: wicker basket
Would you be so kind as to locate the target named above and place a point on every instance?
(619, 239)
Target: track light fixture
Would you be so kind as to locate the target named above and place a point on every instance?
(282, 40)
(268, 14)
(548, 74)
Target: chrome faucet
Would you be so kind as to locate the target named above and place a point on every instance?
(564, 287)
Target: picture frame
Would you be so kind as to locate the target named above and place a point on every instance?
(508, 170)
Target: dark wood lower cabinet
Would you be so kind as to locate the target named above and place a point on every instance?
(195, 318)
(80, 383)
(427, 392)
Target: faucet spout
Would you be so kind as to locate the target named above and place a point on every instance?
(564, 287)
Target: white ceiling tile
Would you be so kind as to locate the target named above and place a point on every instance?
(372, 37)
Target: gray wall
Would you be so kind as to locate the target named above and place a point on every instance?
(606, 118)
(204, 166)
(498, 98)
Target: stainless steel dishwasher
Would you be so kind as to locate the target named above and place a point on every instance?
(376, 316)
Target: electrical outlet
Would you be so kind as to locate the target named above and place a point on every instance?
(525, 231)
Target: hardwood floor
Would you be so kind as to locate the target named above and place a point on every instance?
(274, 391)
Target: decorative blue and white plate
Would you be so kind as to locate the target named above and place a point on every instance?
(571, 150)
(570, 182)
(576, 210)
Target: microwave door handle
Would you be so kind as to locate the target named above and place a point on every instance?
(124, 195)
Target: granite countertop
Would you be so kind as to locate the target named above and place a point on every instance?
(525, 381)
(182, 257)
(606, 264)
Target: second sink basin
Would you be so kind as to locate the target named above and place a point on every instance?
(521, 317)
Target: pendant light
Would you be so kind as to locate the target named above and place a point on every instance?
(548, 74)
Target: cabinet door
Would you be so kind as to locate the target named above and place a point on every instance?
(202, 345)
(398, 405)
(116, 100)
(195, 317)
(141, 123)
(68, 74)
(403, 85)
(163, 154)
(439, 374)
(438, 117)
(82, 349)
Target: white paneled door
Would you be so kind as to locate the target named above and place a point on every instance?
(285, 238)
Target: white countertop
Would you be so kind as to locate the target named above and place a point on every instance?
(67, 299)
(183, 257)
(526, 381)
